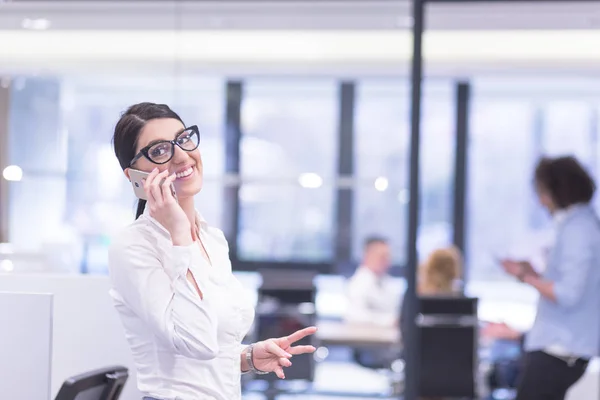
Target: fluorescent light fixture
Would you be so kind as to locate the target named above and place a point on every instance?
(381, 184)
(310, 180)
(298, 46)
(13, 173)
(35, 24)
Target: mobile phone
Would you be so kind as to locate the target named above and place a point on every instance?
(137, 179)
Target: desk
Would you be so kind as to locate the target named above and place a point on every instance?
(356, 335)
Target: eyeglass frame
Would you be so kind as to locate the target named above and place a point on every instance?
(144, 151)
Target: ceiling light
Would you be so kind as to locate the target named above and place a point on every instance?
(381, 184)
(13, 173)
(310, 180)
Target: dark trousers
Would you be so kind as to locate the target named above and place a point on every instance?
(545, 377)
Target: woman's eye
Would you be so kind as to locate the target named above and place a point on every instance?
(183, 139)
(159, 150)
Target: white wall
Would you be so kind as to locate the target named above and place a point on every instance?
(87, 331)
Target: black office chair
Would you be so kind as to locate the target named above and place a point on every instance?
(101, 384)
(448, 330)
(285, 304)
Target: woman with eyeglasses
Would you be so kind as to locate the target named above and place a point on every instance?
(184, 312)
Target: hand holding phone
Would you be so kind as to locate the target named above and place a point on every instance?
(518, 269)
(138, 178)
(528, 269)
(159, 192)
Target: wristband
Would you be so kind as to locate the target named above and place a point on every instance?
(249, 353)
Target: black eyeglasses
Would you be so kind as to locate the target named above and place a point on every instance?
(162, 151)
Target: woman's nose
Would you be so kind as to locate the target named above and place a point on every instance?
(179, 154)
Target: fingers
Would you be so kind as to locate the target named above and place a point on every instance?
(279, 372)
(302, 333)
(284, 362)
(154, 184)
(301, 350)
(167, 193)
(149, 180)
(276, 350)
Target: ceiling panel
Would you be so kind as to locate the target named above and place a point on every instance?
(293, 14)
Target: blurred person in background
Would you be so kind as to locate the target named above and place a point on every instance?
(372, 296)
(184, 312)
(438, 275)
(566, 331)
(373, 299)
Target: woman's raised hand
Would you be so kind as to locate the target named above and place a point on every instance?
(272, 355)
(164, 207)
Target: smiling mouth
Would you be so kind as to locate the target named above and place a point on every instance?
(185, 173)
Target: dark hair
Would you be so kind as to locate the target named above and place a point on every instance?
(565, 180)
(128, 129)
(374, 239)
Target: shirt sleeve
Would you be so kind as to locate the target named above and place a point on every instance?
(576, 258)
(162, 296)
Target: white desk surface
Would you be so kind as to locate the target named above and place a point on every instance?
(338, 332)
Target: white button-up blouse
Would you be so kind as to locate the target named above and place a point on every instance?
(184, 347)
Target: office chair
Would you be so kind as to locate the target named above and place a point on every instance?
(448, 330)
(286, 304)
(101, 384)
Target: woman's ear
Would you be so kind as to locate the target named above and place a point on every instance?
(126, 172)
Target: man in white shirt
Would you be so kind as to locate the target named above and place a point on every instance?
(372, 296)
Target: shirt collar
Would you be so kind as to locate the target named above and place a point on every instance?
(200, 221)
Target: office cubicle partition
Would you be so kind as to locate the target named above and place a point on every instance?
(26, 345)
